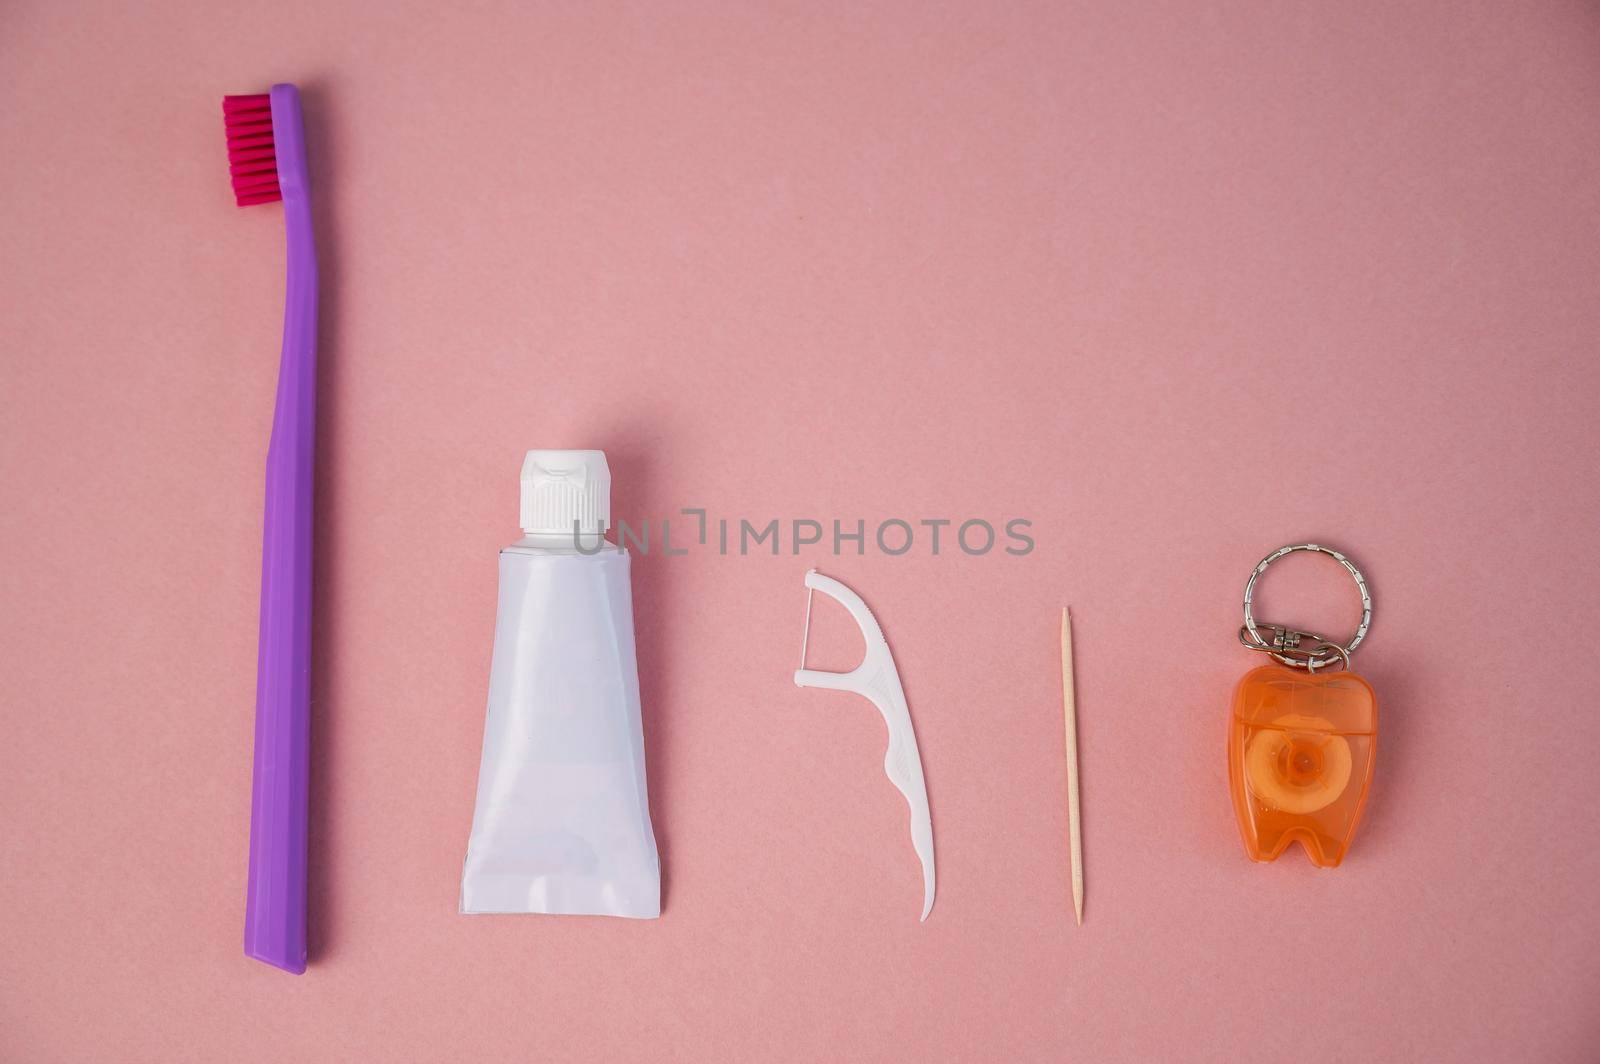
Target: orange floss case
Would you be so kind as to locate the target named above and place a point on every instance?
(1301, 743)
(1300, 753)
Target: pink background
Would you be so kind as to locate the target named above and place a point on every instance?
(1179, 283)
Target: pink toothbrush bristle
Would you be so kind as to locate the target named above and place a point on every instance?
(252, 163)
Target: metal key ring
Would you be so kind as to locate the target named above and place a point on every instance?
(1287, 639)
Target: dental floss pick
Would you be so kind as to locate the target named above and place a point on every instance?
(1069, 702)
(876, 680)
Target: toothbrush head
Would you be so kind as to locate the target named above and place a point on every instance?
(252, 155)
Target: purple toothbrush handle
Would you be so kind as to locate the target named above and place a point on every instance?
(275, 908)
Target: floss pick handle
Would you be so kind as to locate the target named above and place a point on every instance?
(876, 680)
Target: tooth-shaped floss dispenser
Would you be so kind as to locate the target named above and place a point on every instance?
(1301, 743)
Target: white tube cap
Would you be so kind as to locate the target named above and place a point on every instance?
(563, 487)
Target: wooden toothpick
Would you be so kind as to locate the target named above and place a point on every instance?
(1069, 703)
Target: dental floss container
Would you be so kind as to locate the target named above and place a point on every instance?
(562, 818)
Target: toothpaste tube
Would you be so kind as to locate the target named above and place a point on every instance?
(562, 821)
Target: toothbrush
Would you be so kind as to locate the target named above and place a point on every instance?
(267, 162)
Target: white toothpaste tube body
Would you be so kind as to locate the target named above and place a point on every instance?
(562, 821)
